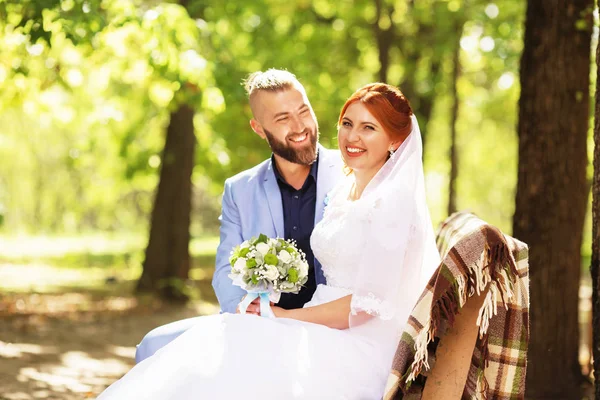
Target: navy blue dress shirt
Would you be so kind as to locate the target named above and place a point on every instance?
(298, 223)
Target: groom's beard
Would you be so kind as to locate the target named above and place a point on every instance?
(304, 156)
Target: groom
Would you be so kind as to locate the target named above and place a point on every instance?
(283, 196)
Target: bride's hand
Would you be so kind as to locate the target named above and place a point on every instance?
(280, 312)
(253, 308)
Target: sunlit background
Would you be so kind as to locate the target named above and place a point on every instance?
(86, 92)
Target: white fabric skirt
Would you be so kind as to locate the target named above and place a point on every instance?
(232, 356)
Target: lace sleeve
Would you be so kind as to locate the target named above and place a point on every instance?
(372, 305)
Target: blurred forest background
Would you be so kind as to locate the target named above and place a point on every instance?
(120, 120)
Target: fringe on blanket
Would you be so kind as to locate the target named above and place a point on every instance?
(496, 271)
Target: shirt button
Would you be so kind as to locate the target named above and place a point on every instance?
(295, 228)
(296, 196)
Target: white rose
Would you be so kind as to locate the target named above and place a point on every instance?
(271, 272)
(303, 269)
(244, 244)
(238, 280)
(240, 264)
(272, 242)
(263, 248)
(285, 256)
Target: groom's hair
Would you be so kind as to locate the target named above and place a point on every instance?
(272, 80)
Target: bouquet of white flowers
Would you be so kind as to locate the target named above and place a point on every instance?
(267, 267)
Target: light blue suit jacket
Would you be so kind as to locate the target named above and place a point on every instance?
(251, 206)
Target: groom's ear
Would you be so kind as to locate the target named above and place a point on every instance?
(257, 128)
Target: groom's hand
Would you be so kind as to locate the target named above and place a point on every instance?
(253, 308)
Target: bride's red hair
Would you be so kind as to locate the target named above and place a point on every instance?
(388, 105)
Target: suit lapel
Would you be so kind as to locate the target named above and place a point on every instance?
(273, 199)
(327, 177)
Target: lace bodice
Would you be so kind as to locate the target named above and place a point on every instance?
(336, 241)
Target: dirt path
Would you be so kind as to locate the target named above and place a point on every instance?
(72, 345)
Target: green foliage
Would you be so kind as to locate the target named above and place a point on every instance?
(86, 88)
(88, 114)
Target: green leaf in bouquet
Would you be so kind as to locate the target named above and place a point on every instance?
(262, 238)
(233, 260)
(255, 278)
(244, 251)
(271, 259)
(291, 250)
(292, 275)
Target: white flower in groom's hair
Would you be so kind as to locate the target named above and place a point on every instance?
(285, 256)
(263, 248)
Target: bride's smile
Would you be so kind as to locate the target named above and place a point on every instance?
(354, 151)
(363, 142)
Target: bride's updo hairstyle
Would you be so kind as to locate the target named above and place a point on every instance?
(388, 105)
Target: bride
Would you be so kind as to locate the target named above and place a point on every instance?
(377, 249)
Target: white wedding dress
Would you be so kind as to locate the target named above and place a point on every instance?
(232, 356)
(379, 248)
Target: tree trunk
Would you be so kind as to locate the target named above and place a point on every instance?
(421, 103)
(384, 38)
(595, 267)
(551, 188)
(167, 261)
(453, 125)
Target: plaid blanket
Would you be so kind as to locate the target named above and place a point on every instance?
(475, 257)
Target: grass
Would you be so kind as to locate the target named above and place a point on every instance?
(104, 264)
